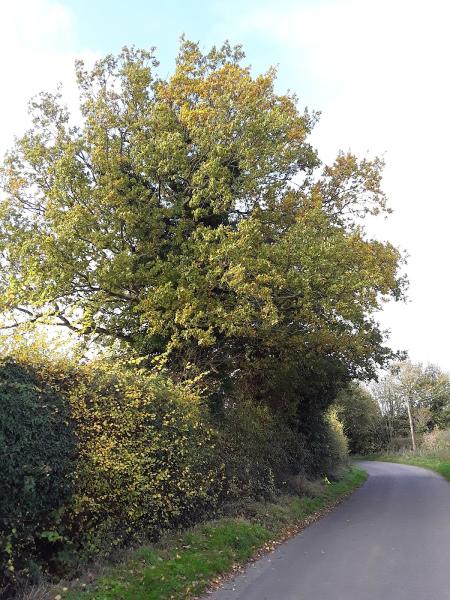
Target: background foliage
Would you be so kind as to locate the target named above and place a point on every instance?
(426, 388)
(362, 419)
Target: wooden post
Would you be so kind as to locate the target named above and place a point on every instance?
(411, 425)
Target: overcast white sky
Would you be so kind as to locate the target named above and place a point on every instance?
(378, 71)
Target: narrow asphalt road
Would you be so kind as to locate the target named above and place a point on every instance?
(389, 541)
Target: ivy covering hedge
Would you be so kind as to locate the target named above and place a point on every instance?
(101, 455)
(37, 447)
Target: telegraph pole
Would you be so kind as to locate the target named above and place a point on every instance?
(411, 425)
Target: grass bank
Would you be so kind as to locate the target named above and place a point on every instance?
(439, 465)
(185, 565)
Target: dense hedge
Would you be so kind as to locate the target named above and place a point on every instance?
(93, 457)
(100, 455)
(362, 420)
(36, 450)
(145, 457)
(258, 450)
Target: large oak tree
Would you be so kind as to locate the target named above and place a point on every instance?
(189, 220)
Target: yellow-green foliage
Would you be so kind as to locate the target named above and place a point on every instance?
(125, 455)
(337, 440)
(144, 455)
(361, 417)
(95, 456)
(164, 219)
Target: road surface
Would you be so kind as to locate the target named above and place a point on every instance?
(389, 541)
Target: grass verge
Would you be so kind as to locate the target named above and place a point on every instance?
(435, 464)
(185, 565)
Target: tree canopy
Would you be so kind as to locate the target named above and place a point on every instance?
(189, 220)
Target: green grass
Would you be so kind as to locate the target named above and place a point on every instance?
(184, 566)
(436, 464)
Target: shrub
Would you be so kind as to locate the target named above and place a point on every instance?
(146, 458)
(92, 457)
(337, 443)
(436, 443)
(325, 442)
(36, 452)
(258, 450)
(100, 455)
(301, 485)
(361, 418)
(399, 444)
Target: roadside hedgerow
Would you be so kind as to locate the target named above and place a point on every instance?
(37, 446)
(94, 456)
(145, 457)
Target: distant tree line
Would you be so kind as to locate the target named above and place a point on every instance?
(407, 402)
